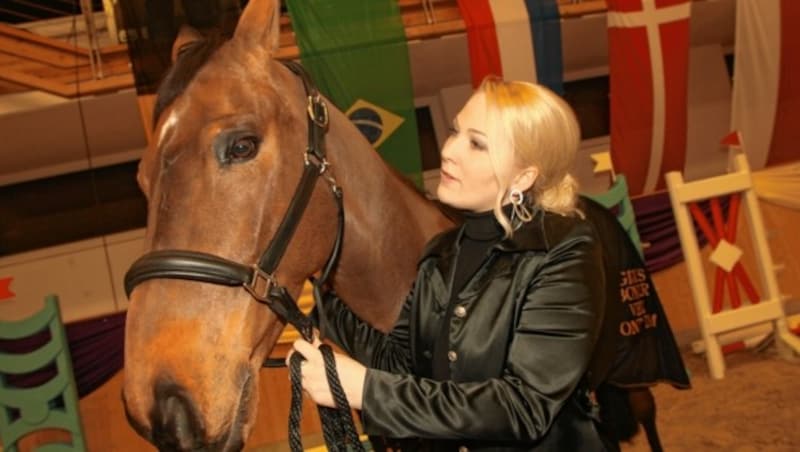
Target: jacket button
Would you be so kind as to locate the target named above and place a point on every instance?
(463, 449)
(427, 354)
(452, 356)
(460, 312)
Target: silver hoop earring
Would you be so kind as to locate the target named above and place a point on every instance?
(519, 206)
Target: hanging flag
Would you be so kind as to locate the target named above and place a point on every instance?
(357, 54)
(514, 39)
(648, 51)
(484, 50)
(766, 95)
(5, 288)
(545, 24)
(602, 162)
(732, 139)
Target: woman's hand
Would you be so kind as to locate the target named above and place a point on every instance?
(351, 374)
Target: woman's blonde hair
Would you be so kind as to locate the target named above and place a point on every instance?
(529, 125)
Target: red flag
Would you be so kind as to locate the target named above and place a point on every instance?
(484, 51)
(5, 289)
(786, 133)
(732, 139)
(649, 72)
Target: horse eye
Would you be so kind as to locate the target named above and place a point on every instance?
(241, 149)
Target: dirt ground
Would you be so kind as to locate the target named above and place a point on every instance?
(756, 407)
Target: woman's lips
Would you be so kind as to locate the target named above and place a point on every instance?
(447, 176)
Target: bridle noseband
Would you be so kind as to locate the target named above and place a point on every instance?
(258, 279)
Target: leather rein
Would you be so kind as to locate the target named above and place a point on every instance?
(259, 279)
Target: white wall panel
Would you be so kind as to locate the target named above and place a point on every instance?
(78, 273)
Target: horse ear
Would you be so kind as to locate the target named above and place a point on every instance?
(186, 35)
(260, 24)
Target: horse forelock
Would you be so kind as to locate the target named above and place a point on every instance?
(194, 58)
(191, 58)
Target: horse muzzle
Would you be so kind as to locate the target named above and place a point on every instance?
(175, 421)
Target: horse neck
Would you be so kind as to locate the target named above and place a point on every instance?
(387, 226)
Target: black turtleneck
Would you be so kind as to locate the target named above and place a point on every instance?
(481, 232)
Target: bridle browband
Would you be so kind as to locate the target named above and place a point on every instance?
(258, 279)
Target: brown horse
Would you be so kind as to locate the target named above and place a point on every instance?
(227, 154)
(226, 157)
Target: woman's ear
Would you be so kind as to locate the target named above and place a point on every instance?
(525, 179)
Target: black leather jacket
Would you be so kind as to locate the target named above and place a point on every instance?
(521, 340)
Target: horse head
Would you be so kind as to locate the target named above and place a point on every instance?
(228, 151)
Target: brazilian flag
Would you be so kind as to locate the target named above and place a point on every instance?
(356, 51)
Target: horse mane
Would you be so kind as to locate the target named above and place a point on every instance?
(452, 214)
(191, 58)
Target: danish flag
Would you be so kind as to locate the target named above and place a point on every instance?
(648, 66)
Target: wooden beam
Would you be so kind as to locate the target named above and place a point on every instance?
(586, 7)
(113, 64)
(25, 35)
(436, 30)
(32, 81)
(36, 51)
(115, 49)
(101, 86)
(91, 87)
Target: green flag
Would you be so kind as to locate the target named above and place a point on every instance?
(356, 51)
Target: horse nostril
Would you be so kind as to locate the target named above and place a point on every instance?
(175, 420)
(178, 411)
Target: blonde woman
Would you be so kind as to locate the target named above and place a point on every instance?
(492, 347)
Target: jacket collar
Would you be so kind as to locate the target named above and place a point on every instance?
(530, 236)
(536, 235)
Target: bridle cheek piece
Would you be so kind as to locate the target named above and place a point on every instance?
(258, 279)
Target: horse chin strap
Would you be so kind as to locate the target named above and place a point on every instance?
(258, 279)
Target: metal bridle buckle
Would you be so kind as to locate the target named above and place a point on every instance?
(260, 284)
(311, 158)
(314, 100)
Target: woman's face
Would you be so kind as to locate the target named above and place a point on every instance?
(467, 178)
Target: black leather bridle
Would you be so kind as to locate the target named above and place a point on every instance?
(258, 279)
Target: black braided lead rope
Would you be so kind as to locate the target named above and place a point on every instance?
(345, 423)
(338, 426)
(296, 410)
(332, 432)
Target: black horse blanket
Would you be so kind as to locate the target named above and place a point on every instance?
(636, 347)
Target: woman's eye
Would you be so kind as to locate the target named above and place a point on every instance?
(453, 131)
(475, 144)
(243, 148)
